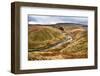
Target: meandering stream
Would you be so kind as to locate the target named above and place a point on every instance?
(68, 39)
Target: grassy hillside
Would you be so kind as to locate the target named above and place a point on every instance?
(43, 37)
(49, 42)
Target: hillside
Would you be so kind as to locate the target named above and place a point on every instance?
(57, 41)
(43, 37)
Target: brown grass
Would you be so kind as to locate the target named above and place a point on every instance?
(56, 55)
(75, 49)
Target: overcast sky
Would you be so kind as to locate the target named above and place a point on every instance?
(39, 19)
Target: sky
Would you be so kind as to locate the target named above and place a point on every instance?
(41, 19)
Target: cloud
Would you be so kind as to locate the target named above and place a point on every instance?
(37, 19)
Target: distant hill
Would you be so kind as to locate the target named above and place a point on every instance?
(67, 24)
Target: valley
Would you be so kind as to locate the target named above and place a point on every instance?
(57, 41)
